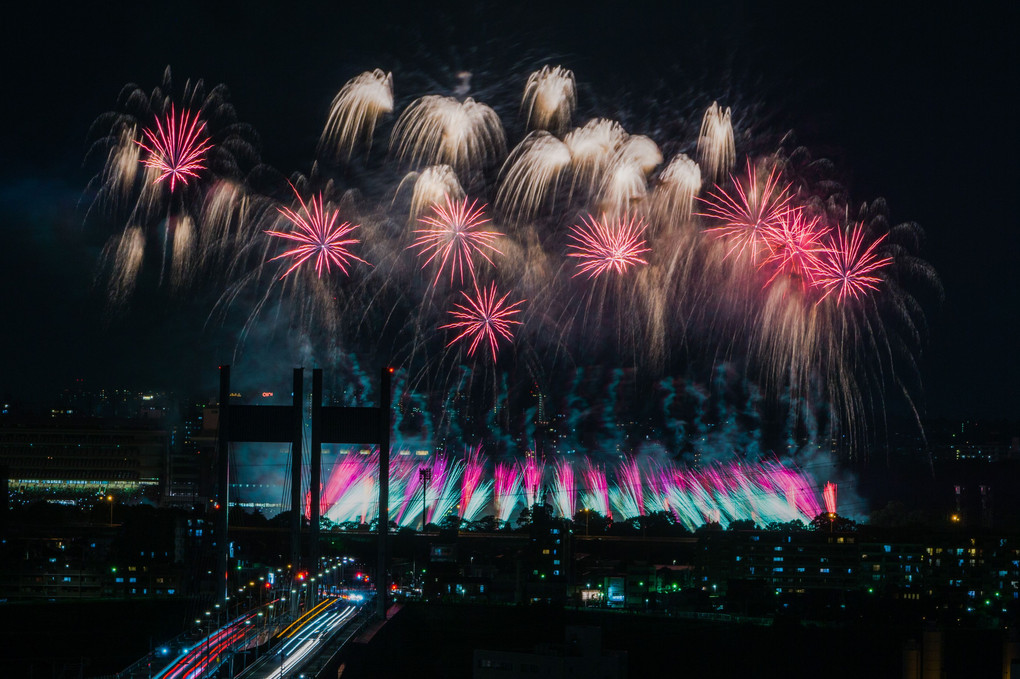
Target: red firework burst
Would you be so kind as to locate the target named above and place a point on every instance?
(176, 147)
(794, 246)
(607, 245)
(454, 238)
(484, 317)
(317, 237)
(846, 269)
(746, 216)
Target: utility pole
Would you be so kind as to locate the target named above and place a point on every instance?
(295, 472)
(315, 483)
(381, 579)
(425, 475)
(222, 516)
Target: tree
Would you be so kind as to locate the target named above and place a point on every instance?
(450, 522)
(787, 527)
(486, 524)
(590, 522)
(742, 524)
(833, 523)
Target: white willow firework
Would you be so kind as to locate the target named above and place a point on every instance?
(549, 99)
(356, 110)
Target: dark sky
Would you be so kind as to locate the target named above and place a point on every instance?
(914, 104)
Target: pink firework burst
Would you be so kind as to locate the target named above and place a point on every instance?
(847, 269)
(176, 147)
(483, 317)
(317, 236)
(607, 245)
(748, 215)
(454, 237)
(794, 246)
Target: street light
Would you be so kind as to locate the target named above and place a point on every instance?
(109, 498)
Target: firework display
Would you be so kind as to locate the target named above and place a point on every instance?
(613, 272)
(453, 238)
(765, 493)
(176, 148)
(316, 236)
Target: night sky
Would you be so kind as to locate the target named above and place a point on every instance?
(915, 105)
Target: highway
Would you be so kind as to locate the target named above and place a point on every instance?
(300, 642)
(205, 656)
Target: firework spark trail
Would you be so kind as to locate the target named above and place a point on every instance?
(317, 237)
(184, 249)
(673, 197)
(725, 492)
(475, 493)
(484, 318)
(681, 500)
(436, 130)
(348, 471)
(846, 270)
(795, 486)
(480, 500)
(344, 491)
(446, 480)
(564, 494)
(356, 110)
(549, 98)
(697, 487)
(121, 169)
(435, 185)
(226, 218)
(794, 247)
(607, 245)
(656, 490)
(534, 472)
(592, 148)
(767, 492)
(473, 470)
(625, 181)
(407, 512)
(127, 262)
(530, 175)
(629, 496)
(746, 217)
(716, 150)
(829, 494)
(597, 495)
(176, 147)
(455, 238)
(507, 491)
